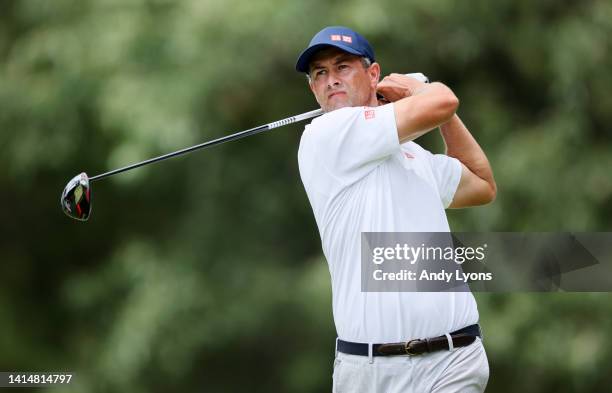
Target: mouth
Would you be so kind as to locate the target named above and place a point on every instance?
(335, 94)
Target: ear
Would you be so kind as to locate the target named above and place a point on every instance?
(310, 84)
(374, 74)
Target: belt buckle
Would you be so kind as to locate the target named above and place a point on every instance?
(408, 349)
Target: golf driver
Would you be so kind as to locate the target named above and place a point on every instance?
(76, 197)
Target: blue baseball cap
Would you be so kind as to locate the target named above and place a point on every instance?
(337, 36)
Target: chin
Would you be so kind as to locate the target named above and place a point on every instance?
(333, 107)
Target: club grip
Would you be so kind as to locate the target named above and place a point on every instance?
(294, 119)
(419, 76)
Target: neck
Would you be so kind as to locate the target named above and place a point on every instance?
(374, 100)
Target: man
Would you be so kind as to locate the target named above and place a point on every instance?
(363, 173)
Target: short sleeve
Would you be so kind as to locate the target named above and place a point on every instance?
(348, 143)
(447, 173)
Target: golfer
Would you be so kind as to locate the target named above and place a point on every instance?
(363, 173)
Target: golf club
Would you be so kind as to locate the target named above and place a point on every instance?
(76, 197)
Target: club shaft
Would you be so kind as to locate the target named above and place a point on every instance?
(228, 138)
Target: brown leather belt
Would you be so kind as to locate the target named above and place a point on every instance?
(460, 338)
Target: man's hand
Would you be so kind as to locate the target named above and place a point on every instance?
(397, 86)
(419, 107)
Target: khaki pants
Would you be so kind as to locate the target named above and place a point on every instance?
(463, 370)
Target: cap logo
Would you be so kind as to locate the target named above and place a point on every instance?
(347, 38)
(335, 37)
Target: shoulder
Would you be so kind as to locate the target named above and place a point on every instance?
(327, 126)
(335, 118)
(309, 140)
(356, 117)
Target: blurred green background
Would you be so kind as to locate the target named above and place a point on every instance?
(205, 273)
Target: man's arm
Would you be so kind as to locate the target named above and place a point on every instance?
(419, 107)
(477, 185)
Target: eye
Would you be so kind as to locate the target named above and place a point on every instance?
(343, 66)
(318, 73)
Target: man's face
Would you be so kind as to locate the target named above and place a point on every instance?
(339, 79)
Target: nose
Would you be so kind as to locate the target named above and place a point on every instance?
(332, 81)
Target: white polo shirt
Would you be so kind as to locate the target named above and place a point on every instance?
(359, 178)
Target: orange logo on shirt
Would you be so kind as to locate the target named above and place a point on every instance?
(369, 114)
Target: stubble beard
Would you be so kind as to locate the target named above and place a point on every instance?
(350, 100)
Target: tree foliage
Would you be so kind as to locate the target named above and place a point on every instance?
(205, 273)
